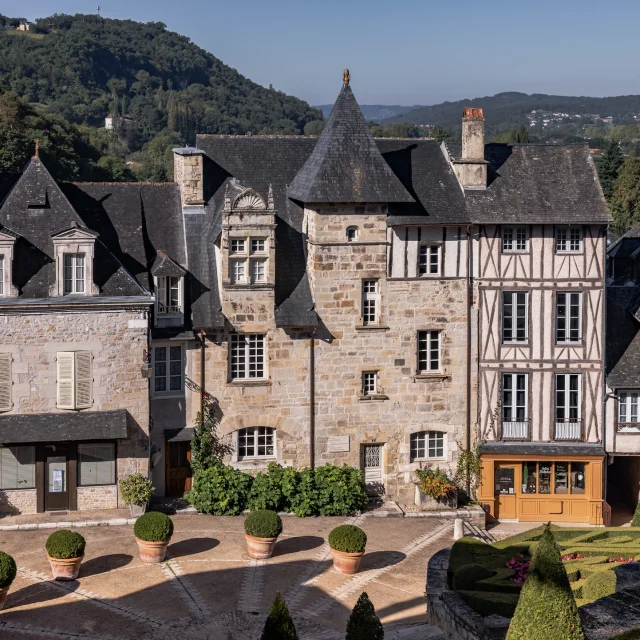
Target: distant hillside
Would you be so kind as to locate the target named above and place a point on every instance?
(375, 112)
(84, 67)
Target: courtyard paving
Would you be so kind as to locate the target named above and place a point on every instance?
(209, 588)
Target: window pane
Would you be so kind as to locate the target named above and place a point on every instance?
(578, 477)
(97, 464)
(507, 239)
(544, 470)
(18, 467)
(562, 477)
(256, 442)
(529, 477)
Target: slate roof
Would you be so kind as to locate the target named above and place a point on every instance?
(535, 183)
(63, 427)
(622, 362)
(346, 164)
(542, 448)
(163, 265)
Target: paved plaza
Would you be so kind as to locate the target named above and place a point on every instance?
(209, 588)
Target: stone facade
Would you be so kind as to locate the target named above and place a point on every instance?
(18, 501)
(104, 497)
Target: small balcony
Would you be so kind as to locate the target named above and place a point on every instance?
(169, 309)
(568, 429)
(515, 430)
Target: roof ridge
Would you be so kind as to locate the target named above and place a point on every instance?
(129, 184)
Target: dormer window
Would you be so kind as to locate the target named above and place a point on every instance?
(248, 260)
(168, 278)
(74, 274)
(74, 251)
(169, 295)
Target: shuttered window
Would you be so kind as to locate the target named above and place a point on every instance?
(17, 467)
(5, 382)
(97, 464)
(75, 382)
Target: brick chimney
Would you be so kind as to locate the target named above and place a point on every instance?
(188, 172)
(471, 167)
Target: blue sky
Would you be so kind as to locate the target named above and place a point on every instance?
(401, 51)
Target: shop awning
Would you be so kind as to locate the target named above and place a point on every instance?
(543, 448)
(186, 434)
(63, 427)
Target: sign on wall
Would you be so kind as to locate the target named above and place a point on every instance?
(338, 444)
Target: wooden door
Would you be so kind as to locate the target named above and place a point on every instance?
(505, 491)
(372, 464)
(178, 468)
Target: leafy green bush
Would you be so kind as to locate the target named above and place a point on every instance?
(348, 538)
(263, 524)
(300, 492)
(266, 490)
(136, 489)
(363, 622)
(546, 609)
(65, 544)
(435, 483)
(467, 576)
(220, 490)
(598, 585)
(153, 527)
(279, 625)
(8, 569)
(341, 490)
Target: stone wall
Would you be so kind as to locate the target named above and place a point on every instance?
(18, 501)
(102, 497)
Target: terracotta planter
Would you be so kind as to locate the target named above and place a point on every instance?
(347, 563)
(3, 596)
(65, 568)
(152, 552)
(260, 548)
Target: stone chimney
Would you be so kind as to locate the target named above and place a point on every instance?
(471, 167)
(189, 174)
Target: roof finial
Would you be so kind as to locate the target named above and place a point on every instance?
(346, 76)
(227, 198)
(37, 153)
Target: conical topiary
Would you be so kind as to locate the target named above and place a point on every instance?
(279, 625)
(636, 517)
(546, 609)
(363, 622)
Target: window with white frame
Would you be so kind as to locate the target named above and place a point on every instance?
(256, 442)
(568, 406)
(369, 383)
(352, 234)
(427, 444)
(169, 295)
(428, 351)
(18, 467)
(168, 370)
(568, 239)
(515, 316)
(370, 302)
(568, 317)
(73, 273)
(96, 464)
(75, 379)
(628, 406)
(248, 260)
(515, 239)
(514, 406)
(429, 260)
(247, 356)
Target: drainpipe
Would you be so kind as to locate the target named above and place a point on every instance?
(605, 466)
(312, 400)
(203, 336)
(469, 301)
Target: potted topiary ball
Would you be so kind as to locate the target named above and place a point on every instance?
(136, 490)
(65, 550)
(153, 531)
(7, 574)
(261, 530)
(347, 544)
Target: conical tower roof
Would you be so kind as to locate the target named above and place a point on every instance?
(346, 164)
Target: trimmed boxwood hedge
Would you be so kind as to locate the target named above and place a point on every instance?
(153, 527)
(8, 569)
(263, 523)
(348, 538)
(466, 576)
(488, 603)
(65, 544)
(598, 585)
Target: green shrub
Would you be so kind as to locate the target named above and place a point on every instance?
(488, 603)
(546, 609)
(466, 577)
(635, 522)
(279, 625)
(136, 489)
(263, 524)
(8, 569)
(348, 538)
(266, 490)
(300, 492)
(220, 490)
(153, 527)
(599, 584)
(363, 622)
(65, 544)
(341, 490)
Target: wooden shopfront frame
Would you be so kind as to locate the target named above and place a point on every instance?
(538, 507)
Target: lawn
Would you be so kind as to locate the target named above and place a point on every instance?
(489, 577)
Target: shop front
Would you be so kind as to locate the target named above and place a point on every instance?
(533, 482)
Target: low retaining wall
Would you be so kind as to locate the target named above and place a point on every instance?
(18, 501)
(99, 497)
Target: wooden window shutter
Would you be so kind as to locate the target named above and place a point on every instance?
(5, 382)
(83, 380)
(66, 386)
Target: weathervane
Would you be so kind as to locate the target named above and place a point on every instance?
(346, 76)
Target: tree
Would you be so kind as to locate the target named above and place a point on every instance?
(546, 609)
(313, 128)
(279, 625)
(625, 202)
(609, 168)
(15, 146)
(636, 517)
(207, 448)
(363, 622)
(440, 135)
(522, 135)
